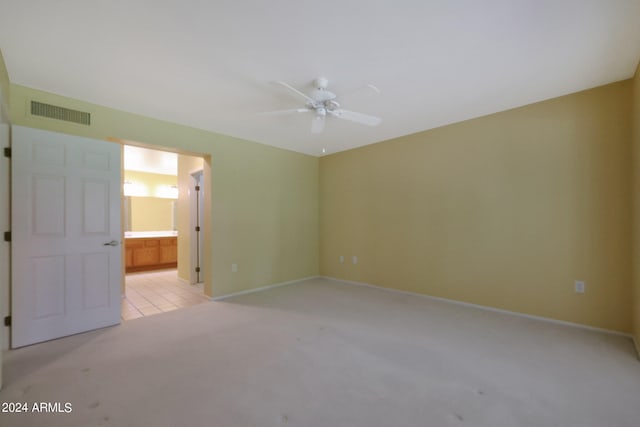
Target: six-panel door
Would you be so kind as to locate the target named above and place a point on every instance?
(66, 251)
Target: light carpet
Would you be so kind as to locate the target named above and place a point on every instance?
(325, 354)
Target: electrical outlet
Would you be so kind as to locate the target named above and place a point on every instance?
(341, 259)
(354, 259)
(234, 268)
(579, 286)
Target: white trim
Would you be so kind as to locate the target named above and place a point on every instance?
(5, 248)
(487, 308)
(263, 288)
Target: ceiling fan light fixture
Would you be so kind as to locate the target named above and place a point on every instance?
(322, 102)
(322, 95)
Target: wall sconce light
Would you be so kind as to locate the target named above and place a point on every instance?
(167, 191)
(134, 189)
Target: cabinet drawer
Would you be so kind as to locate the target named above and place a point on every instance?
(133, 243)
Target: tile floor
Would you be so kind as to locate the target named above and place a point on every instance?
(156, 292)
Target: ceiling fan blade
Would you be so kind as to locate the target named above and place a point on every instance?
(283, 112)
(367, 89)
(296, 91)
(361, 118)
(317, 123)
(374, 88)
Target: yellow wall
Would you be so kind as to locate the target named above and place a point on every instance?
(636, 207)
(151, 213)
(186, 165)
(4, 90)
(504, 211)
(264, 200)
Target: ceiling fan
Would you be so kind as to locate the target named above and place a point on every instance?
(321, 102)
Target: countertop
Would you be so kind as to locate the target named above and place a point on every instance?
(149, 234)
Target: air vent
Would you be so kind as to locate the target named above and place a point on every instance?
(60, 113)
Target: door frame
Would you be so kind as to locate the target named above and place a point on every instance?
(206, 224)
(5, 247)
(196, 201)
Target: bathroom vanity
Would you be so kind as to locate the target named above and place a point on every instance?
(151, 250)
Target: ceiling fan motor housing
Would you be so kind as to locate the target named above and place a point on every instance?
(321, 83)
(322, 102)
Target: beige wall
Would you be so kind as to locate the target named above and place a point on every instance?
(504, 211)
(186, 166)
(264, 200)
(636, 208)
(151, 213)
(4, 90)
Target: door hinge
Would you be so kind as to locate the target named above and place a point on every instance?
(197, 269)
(7, 236)
(7, 151)
(197, 188)
(7, 321)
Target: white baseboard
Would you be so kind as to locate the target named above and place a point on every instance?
(263, 288)
(486, 308)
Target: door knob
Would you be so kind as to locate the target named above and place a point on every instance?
(111, 243)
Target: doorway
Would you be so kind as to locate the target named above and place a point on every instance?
(157, 212)
(57, 306)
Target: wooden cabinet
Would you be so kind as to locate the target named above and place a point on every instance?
(150, 253)
(168, 251)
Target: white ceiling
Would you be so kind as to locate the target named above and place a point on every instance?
(209, 64)
(153, 161)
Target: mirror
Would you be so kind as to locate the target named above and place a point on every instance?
(149, 214)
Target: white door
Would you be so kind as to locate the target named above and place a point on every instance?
(65, 226)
